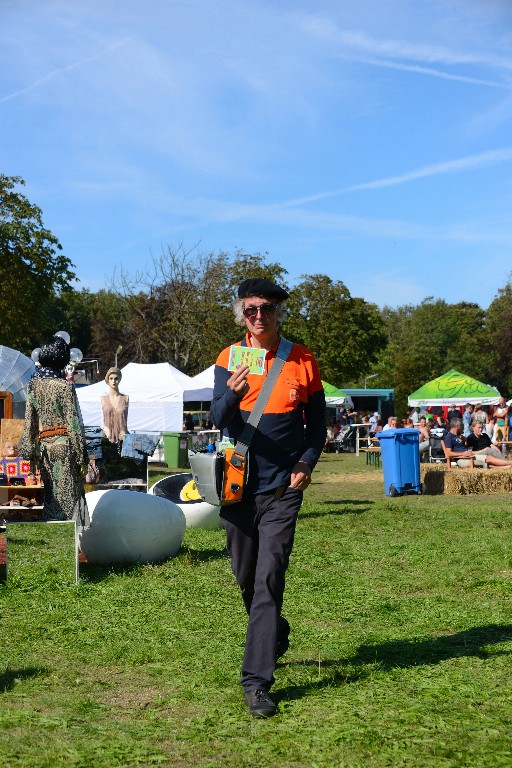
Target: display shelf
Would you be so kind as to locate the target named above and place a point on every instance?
(8, 492)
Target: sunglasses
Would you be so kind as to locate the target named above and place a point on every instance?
(265, 309)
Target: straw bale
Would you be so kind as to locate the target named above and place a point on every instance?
(462, 482)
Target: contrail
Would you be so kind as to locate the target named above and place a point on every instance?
(58, 71)
(492, 157)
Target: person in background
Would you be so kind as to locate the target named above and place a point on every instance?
(453, 413)
(500, 414)
(424, 442)
(391, 423)
(480, 415)
(374, 420)
(490, 429)
(415, 416)
(188, 423)
(440, 421)
(484, 452)
(354, 417)
(467, 419)
(455, 447)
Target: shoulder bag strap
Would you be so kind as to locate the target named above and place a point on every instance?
(245, 439)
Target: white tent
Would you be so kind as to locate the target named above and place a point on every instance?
(156, 391)
(15, 373)
(204, 380)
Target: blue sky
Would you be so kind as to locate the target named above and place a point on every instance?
(369, 140)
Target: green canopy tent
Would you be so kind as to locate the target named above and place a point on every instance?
(335, 396)
(454, 388)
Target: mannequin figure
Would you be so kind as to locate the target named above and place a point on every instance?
(53, 438)
(115, 408)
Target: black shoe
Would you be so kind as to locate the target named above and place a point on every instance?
(260, 704)
(283, 642)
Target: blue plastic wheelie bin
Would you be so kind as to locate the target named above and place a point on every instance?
(400, 461)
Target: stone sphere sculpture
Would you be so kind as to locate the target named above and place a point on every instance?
(131, 527)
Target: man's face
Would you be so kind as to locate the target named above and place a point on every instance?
(262, 322)
(392, 423)
(477, 429)
(423, 421)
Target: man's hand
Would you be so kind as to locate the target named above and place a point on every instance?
(238, 383)
(301, 476)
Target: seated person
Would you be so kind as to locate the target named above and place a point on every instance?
(424, 434)
(373, 422)
(329, 437)
(391, 423)
(330, 429)
(454, 447)
(440, 421)
(480, 443)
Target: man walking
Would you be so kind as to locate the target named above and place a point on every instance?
(285, 448)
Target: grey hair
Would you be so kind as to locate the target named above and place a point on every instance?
(455, 423)
(238, 310)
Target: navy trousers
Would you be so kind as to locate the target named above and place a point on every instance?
(259, 533)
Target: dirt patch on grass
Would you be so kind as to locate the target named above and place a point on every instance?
(356, 477)
(132, 699)
(124, 691)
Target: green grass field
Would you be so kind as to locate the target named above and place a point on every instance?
(400, 656)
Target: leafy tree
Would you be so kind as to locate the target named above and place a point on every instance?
(468, 353)
(498, 346)
(32, 268)
(109, 329)
(344, 333)
(179, 307)
(427, 340)
(73, 311)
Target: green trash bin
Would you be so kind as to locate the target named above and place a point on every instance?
(176, 449)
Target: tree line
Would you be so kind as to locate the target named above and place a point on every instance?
(178, 309)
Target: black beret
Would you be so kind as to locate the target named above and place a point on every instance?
(260, 286)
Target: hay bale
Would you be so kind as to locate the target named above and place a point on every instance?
(462, 482)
